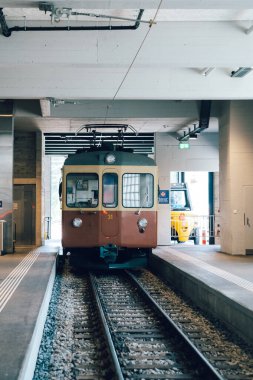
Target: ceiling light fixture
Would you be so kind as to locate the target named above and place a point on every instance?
(241, 72)
(207, 71)
(248, 31)
(193, 136)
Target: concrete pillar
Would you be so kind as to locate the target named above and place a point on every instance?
(6, 173)
(46, 195)
(39, 214)
(236, 177)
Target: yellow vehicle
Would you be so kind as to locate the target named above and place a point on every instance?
(183, 225)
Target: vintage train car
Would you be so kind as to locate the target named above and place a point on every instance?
(109, 208)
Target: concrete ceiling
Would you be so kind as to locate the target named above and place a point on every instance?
(152, 77)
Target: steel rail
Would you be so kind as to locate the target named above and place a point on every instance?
(192, 347)
(117, 367)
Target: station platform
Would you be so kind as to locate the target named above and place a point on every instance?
(218, 283)
(26, 282)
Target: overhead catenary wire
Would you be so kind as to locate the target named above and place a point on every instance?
(133, 60)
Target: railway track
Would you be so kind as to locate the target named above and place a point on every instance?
(131, 326)
(146, 344)
(229, 357)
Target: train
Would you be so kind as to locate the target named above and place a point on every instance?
(109, 208)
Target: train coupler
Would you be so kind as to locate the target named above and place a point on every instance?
(109, 253)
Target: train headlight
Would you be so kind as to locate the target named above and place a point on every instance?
(77, 222)
(110, 158)
(142, 224)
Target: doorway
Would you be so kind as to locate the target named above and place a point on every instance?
(24, 212)
(196, 221)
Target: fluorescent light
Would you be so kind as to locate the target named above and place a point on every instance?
(241, 72)
(193, 136)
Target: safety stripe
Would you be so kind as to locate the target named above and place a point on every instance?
(11, 282)
(248, 285)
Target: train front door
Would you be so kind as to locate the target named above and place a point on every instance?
(24, 200)
(110, 204)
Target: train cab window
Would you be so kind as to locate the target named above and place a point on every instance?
(110, 190)
(82, 190)
(138, 190)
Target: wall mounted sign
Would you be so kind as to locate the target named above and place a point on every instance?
(164, 197)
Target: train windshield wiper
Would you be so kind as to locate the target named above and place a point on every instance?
(142, 204)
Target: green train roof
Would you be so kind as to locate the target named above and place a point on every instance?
(97, 157)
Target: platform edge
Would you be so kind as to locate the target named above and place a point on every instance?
(29, 362)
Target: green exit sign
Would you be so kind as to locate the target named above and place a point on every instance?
(184, 145)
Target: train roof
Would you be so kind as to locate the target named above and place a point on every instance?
(97, 157)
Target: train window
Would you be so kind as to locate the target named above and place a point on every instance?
(82, 190)
(138, 190)
(110, 190)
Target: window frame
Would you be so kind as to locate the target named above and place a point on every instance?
(82, 174)
(153, 191)
(116, 193)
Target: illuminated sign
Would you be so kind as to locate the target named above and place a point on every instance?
(184, 145)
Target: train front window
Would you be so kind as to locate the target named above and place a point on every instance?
(82, 190)
(110, 190)
(138, 190)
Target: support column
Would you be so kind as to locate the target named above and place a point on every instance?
(163, 216)
(6, 172)
(39, 214)
(236, 177)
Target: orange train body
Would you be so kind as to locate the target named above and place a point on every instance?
(112, 227)
(109, 208)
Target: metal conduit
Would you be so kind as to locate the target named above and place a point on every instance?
(6, 31)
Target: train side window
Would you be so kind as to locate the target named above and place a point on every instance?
(82, 190)
(110, 190)
(138, 190)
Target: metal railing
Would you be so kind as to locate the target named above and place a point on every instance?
(204, 229)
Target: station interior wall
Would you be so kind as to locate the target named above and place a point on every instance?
(203, 155)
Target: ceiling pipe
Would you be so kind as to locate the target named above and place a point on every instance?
(6, 31)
